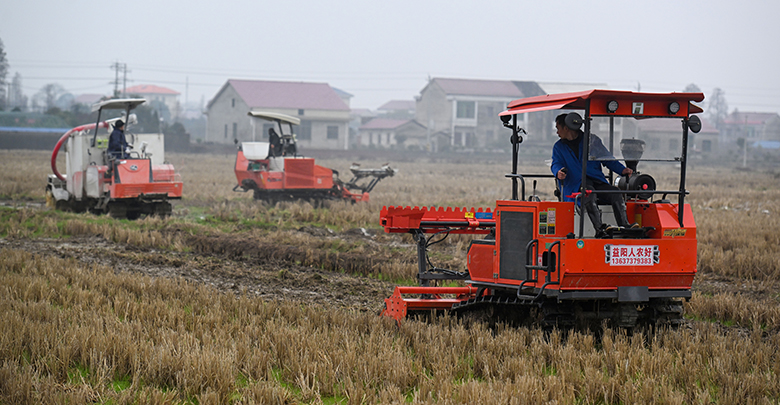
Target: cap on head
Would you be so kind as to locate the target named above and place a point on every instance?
(573, 121)
(119, 124)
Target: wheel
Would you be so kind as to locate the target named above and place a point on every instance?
(163, 209)
(117, 210)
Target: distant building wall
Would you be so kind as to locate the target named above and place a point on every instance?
(228, 111)
(228, 119)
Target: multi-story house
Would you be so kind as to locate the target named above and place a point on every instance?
(323, 112)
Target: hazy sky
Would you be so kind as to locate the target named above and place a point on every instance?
(381, 51)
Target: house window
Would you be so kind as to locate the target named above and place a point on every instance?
(333, 132)
(300, 111)
(706, 146)
(225, 131)
(304, 130)
(388, 138)
(465, 109)
(234, 103)
(471, 139)
(235, 131)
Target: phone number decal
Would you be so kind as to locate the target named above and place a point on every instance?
(631, 255)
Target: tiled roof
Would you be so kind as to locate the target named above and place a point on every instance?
(383, 123)
(150, 89)
(473, 87)
(398, 105)
(362, 112)
(748, 118)
(301, 95)
(342, 93)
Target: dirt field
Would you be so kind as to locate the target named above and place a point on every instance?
(248, 271)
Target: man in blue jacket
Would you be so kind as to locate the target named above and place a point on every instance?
(117, 144)
(567, 167)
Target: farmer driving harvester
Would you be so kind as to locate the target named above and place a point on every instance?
(567, 167)
(117, 143)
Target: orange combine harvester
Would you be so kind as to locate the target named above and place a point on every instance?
(540, 261)
(142, 183)
(275, 171)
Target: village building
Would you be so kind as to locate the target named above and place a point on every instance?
(465, 111)
(392, 133)
(397, 109)
(323, 112)
(751, 126)
(157, 97)
(663, 141)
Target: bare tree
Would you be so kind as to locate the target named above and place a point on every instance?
(47, 95)
(16, 97)
(3, 74)
(718, 108)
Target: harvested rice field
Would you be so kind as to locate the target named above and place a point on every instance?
(234, 301)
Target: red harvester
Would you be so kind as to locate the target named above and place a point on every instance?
(540, 261)
(143, 183)
(280, 174)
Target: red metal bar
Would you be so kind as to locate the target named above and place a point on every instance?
(404, 219)
(397, 306)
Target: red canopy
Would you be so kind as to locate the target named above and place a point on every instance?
(629, 103)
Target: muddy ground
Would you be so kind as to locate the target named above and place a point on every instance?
(267, 278)
(269, 271)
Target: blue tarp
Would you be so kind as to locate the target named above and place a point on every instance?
(767, 144)
(36, 130)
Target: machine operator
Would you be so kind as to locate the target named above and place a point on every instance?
(117, 144)
(275, 148)
(567, 167)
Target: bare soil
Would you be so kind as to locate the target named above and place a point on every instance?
(238, 270)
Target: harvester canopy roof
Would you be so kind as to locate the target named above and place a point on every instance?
(272, 116)
(629, 103)
(118, 104)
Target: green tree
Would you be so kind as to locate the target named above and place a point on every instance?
(148, 120)
(177, 129)
(78, 114)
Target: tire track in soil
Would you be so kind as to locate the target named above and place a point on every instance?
(230, 265)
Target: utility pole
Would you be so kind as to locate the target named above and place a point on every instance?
(124, 81)
(744, 146)
(115, 66)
